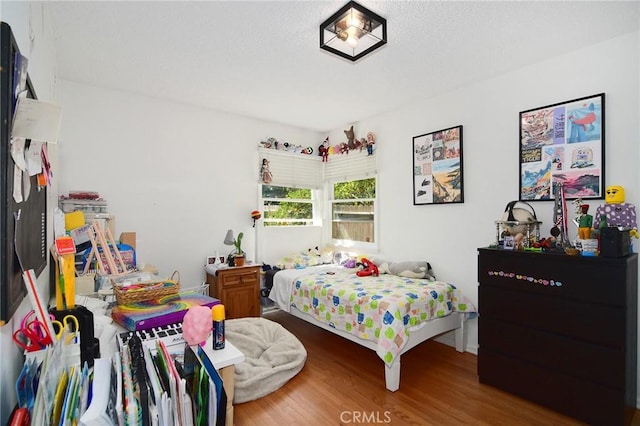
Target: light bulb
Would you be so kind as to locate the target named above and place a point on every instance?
(354, 22)
(352, 41)
(352, 32)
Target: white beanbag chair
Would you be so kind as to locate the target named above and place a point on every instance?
(272, 356)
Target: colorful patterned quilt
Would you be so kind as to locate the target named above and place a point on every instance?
(381, 309)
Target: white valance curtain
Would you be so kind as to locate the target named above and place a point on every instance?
(308, 171)
(293, 170)
(351, 166)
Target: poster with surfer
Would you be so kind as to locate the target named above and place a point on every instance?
(563, 143)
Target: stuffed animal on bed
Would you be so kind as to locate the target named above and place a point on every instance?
(350, 263)
(408, 269)
(368, 268)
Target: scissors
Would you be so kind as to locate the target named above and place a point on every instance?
(70, 324)
(32, 334)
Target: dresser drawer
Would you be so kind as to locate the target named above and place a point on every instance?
(590, 279)
(582, 399)
(245, 277)
(605, 325)
(577, 358)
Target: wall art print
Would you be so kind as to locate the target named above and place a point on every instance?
(437, 167)
(563, 144)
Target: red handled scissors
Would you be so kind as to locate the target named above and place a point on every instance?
(32, 334)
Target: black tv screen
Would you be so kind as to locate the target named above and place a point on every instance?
(23, 226)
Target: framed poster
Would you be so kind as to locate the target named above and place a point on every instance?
(563, 144)
(437, 167)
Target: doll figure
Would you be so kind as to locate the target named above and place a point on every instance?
(323, 150)
(585, 222)
(371, 140)
(265, 174)
(616, 211)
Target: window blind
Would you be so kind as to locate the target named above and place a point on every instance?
(351, 166)
(293, 170)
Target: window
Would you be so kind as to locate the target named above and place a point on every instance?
(353, 207)
(287, 206)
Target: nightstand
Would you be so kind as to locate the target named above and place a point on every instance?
(238, 289)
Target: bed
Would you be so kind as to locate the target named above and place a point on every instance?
(389, 314)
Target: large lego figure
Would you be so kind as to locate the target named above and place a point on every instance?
(616, 211)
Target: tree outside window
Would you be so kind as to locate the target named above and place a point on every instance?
(353, 210)
(287, 206)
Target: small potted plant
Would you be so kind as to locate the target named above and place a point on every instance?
(239, 255)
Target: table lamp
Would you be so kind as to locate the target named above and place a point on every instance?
(229, 240)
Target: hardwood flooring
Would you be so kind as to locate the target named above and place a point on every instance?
(343, 384)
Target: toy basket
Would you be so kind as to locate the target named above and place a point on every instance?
(147, 290)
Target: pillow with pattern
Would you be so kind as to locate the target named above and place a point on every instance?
(298, 261)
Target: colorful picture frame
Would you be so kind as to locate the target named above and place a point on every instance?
(563, 144)
(437, 167)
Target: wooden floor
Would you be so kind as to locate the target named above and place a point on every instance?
(343, 384)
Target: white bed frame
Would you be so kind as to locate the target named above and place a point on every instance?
(417, 335)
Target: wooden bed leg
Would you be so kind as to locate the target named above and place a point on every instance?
(460, 338)
(392, 375)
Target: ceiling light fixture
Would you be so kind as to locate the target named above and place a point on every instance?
(353, 32)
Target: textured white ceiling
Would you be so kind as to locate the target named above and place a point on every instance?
(262, 58)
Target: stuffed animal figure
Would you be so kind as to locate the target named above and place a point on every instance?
(408, 269)
(323, 150)
(344, 148)
(369, 268)
(349, 263)
(269, 143)
(326, 256)
(350, 138)
(265, 144)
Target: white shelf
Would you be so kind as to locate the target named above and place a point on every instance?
(221, 358)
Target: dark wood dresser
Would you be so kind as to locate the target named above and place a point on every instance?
(238, 289)
(560, 331)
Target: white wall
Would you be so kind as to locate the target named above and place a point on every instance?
(448, 235)
(32, 30)
(176, 175)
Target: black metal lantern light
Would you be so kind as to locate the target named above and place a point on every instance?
(353, 32)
